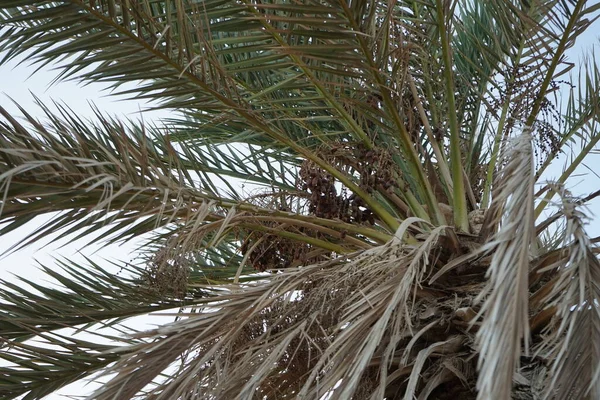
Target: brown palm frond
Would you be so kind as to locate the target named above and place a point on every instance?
(505, 323)
(571, 342)
(303, 332)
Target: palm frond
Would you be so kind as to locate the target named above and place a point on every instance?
(86, 298)
(579, 128)
(112, 175)
(459, 199)
(505, 324)
(543, 32)
(96, 174)
(184, 70)
(283, 340)
(580, 113)
(43, 367)
(86, 295)
(570, 341)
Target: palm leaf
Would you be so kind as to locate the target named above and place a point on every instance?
(37, 370)
(241, 358)
(322, 144)
(505, 309)
(81, 298)
(86, 297)
(572, 300)
(111, 174)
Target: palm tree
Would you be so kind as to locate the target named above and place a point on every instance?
(346, 203)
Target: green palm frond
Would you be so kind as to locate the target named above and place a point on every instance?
(38, 369)
(579, 128)
(184, 57)
(87, 298)
(87, 294)
(302, 95)
(545, 30)
(111, 174)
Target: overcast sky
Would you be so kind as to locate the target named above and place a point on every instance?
(17, 83)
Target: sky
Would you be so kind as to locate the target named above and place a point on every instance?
(17, 83)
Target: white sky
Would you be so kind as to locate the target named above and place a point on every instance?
(16, 83)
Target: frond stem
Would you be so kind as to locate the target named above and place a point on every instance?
(556, 59)
(459, 200)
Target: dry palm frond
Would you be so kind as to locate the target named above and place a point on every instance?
(302, 333)
(505, 309)
(571, 342)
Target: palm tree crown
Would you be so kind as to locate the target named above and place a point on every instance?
(343, 205)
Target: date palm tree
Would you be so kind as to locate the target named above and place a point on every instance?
(346, 203)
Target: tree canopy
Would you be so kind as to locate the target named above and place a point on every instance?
(346, 203)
